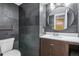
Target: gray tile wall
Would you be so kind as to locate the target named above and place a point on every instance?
(78, 20)
(9, 13)
(42, 21)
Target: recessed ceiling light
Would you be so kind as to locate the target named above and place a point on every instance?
(18, 3)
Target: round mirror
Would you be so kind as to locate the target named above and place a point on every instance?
(61, 17)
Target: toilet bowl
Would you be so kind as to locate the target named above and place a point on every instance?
(6, 48)
(13, 52)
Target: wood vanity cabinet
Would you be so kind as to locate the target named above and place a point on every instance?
(50, 47)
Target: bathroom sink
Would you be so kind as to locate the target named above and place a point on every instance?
(51, 36)
(63, 38)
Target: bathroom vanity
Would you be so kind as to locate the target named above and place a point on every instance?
(59, 19)
(57, 46)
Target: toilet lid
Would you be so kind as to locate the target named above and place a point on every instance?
(6, 44)
(13, 52)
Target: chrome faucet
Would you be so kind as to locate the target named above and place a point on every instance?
(55, 34)
(44, 30)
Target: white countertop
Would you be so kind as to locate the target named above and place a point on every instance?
(63, 38)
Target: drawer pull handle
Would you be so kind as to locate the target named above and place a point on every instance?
(51, 44)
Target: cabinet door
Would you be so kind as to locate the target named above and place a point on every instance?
(45, 47)
(59, 48)
(53, 48)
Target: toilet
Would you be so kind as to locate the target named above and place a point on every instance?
(6, 48)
